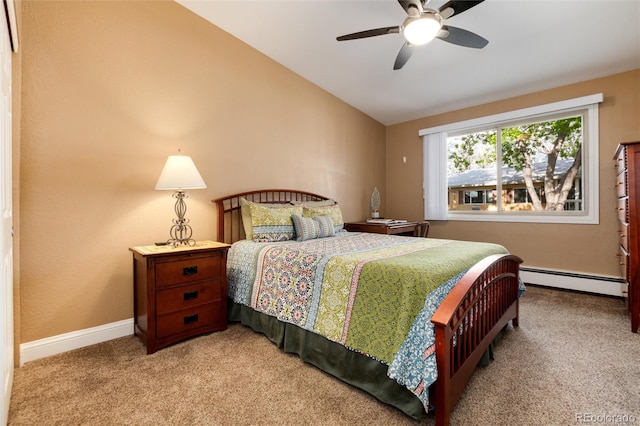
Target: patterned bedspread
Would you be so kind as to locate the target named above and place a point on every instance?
(372, 293)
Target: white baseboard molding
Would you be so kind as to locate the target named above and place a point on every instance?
(600, 284)
(74, 340)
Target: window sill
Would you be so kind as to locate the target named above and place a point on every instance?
(540, 217)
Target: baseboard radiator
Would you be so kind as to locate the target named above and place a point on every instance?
(598, 284)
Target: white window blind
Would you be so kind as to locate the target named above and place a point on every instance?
(435, 176)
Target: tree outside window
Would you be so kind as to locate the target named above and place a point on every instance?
(535, 166)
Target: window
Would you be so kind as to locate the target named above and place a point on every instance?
(476, 197)
(538, 164)
(542, 158)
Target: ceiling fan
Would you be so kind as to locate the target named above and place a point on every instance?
(423, 25)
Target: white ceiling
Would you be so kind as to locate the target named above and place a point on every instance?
(533, 45)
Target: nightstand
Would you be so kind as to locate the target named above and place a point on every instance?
(179, 292)
(414, 229)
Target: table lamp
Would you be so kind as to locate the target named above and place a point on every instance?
(180, 173)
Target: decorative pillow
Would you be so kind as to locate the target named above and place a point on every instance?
(306, 228)
(325, 226)
(310, 228)
(273, 223)
(245, 211)
(333, 211)
(313, 204)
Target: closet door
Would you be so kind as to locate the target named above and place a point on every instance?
(6, 212)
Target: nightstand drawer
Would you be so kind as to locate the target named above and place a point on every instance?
(179, 298)
(188, 269)
(183, 321)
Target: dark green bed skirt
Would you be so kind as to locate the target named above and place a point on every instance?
(349, 366)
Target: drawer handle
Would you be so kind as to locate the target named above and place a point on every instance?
(190, 295)
(191, 319)
(190, 270)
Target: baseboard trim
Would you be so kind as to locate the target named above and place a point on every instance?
(42, 348)
(600, 284)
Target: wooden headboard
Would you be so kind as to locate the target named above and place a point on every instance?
(230, 227)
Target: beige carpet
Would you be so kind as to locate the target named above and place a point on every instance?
(572, 359)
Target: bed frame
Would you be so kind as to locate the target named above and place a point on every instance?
(471, 316)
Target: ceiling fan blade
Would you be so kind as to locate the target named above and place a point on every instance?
(456, 7)
(369, 33)
(462, 37)
(403, 56)
(406, 5)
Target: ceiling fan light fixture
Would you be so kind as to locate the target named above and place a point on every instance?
(418, 30)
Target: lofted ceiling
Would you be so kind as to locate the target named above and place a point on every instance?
(533, 45)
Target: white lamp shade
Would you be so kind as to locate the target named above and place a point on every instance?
(421, 30)
(180, 172)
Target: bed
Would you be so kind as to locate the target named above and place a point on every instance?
(406, 319)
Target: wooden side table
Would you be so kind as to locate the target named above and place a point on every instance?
(179, 292)
(404, 228)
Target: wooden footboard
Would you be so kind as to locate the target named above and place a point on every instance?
(466, 323)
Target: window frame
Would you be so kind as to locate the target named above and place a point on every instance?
(435, 164)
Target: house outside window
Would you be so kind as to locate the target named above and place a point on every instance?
(533, 165)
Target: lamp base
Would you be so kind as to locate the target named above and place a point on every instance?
(181, 231)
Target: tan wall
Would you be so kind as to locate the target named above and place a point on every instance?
(581, 248)
(110, 89)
